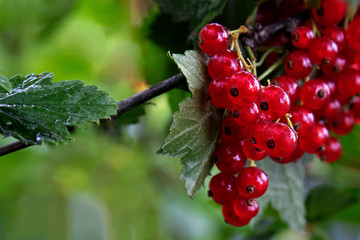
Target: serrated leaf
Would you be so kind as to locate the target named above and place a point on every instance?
(197, 12)
(38, 110)
(195, 128)
(5, 85)
(285, 192)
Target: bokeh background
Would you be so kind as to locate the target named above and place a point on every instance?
(108, 183)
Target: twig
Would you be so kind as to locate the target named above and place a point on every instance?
(12, 147)
(156, 90)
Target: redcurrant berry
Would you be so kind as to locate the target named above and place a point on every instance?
(229, 158)
(245, 208)
(252, 182)
(273, 102)
(222, 188)
(213, 38)
(243, 88)
(224, 64)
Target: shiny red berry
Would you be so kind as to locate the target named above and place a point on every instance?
(224, 64)
(243, 88)
(245, 208)
(343, 123)
(295, 155)
(289, 85)
(213, 38)
(298, 64)
(301, 37)
(231, 218)
(222, 188)
(323, 50)
(273, 102)
(245, 115)
(348, 82)
(333, 151)
(316, 140)
(330, 12)
(315, 94)
(280, 140)
(233, 132)
(252, 152)
(257, 133)
(302, 119)
(336, 34)
(252, 182)
(217, 92)
(353, 34)
(355, 108)
(229, 158)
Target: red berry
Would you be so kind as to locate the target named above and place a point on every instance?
(315, 94)
(334, 68)
(322, 50)
(298, 64)
(330, 12)
(316, 140)
(348, 82)
(218, 95)
(231, 217)
(224, 64)
(280, 140)
(302, 119)
(301, 37)
(222, 188)
(245, 208)
(355, 109)
(343, 123)
(295, 155)
(245, 115)
(213, 38)
(333, 151)
(331, 110)
(243, 88)
(257, 133)
(229, 158)
(273, 102)
(336, 34)
(353, 34)
(252, 182)
(289, 85)
(253, 152)
(233, 132)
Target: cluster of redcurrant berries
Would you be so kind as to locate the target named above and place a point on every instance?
(294, 114)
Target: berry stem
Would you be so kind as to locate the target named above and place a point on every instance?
(238, 50)
(252, 58)
(272, 68)
(252, 163)
(275, 49)
(289, 123)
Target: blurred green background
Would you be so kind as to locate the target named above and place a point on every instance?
(108, 183)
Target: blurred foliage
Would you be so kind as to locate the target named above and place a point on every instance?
(108, 183)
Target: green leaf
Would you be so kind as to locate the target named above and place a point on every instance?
(195, 128)
(324, 201)
(285, 192)
(5, 85)
(38, 110)
(197, 12)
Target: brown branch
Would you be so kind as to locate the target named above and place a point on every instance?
(253, 38)
(144, 96)
(12, 147)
